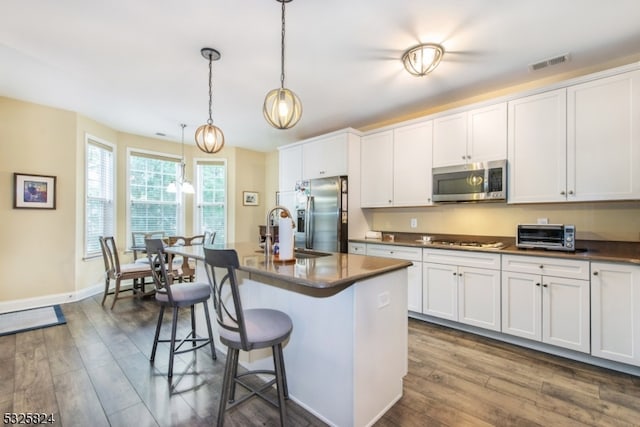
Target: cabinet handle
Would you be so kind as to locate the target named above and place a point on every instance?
(454, 273)
(464, 157)
(537, 284)
(541, 266)
(562, 193)
(571, 192)
(595, 273)
(545, 285)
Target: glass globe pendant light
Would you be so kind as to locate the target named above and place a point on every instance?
(282, 108)
(209, 138)
(185, 184)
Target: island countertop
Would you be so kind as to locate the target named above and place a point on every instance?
(327, 271)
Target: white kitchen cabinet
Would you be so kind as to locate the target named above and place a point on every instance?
(414, 285)
(357, 248)
(603, 136)
(472, 136)
(462, 286)
(546, 299)
(615, 312)
(396, 167)
(290, 167)
(412, 152)
(326, 156)
(537, 148)
(376, 170)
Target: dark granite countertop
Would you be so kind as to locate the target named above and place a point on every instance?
(589, 250)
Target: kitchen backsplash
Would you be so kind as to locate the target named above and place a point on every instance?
(618, 221)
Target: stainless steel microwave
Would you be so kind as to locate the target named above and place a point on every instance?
(482, 181)
(557, 237)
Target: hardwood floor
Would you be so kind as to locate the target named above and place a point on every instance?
(95, 371)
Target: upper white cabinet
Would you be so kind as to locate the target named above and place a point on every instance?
(537, 148)
(396, 166)
(412, 146)
(326, 156)
(472, 136)
(290, 167)
(546, 299)
(376, 170)
(603, 139)
(615, 312)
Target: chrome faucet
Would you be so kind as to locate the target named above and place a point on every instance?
(269, 229)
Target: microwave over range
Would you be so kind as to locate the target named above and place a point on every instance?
(482, 181)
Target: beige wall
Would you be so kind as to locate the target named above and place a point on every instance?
(42, 252)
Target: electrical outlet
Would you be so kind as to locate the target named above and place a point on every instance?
(543, 220)
(414, 222)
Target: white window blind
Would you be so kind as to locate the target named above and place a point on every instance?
(211, 198)
(100, 206)
(152, 208)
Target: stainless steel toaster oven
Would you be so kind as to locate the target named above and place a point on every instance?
(557, 237)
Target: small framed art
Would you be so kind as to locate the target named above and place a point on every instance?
(34, 191)
(250, 198)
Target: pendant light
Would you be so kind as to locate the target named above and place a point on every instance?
(185, 185)
(282, 107)
(209, 138)
(422, 59)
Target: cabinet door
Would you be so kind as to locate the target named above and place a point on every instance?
(537, 148)
(603, 135)
(325, 157)
(487, 133)
(522, 305)
(479, 297)
(412, 147)
(615, 312)
(376, 170)
(440, 290)
(565, 313)
(290, 167)
(450, 140)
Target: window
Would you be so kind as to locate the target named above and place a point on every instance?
(211, 199)
(151, 207)
(100, 205)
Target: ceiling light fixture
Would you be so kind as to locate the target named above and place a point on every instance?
(282, 107)
(209, 138)
(185, 185)
(422, 59)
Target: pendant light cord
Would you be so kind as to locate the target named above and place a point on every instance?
(282, 48)
(210, 121)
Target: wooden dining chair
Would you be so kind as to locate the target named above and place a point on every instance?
(186, 265)
(119, 272)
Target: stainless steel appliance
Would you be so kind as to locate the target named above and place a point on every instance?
(557, 237)
(482, 181)
(321, 216)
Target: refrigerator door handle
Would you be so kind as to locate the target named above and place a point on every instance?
(309, 223)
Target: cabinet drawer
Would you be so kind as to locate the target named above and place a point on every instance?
(462, 258)
(357, 248)
(398, 252)
(573, 269)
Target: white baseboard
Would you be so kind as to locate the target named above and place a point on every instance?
(46, 300)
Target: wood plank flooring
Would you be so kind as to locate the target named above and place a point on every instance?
(95, 371)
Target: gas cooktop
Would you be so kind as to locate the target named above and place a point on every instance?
(470, 243)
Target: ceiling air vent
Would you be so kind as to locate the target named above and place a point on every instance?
(556, 60)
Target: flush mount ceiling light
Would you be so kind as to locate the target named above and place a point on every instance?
(422, 59)
(185, 185)
(209, 138)
(282, 108)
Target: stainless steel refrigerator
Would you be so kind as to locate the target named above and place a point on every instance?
(321, 214)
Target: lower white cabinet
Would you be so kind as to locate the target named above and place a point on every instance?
(615, 312)
(357, 248)
(408, 253)
(462, 286)
(553, 309)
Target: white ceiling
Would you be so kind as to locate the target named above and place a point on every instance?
(135, 65)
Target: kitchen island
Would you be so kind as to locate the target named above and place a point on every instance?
(347, 354)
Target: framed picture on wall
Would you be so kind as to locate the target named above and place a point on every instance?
(250, 198)
(34, 191)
